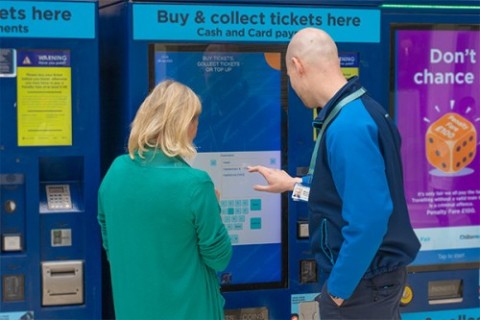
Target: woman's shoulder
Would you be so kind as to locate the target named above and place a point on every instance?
(121, 160)
(198, 174)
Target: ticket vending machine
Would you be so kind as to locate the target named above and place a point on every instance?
(49, 165)
(233, 56)
(434, 93)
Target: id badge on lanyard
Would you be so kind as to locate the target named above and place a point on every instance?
(302, 191)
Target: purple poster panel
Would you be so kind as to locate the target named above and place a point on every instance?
(437, 103)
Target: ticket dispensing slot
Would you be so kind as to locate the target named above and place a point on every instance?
(445, 291)
(62, 283)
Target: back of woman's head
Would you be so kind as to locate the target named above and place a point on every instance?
(163, 121)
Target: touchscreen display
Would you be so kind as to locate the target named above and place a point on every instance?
(240, 125)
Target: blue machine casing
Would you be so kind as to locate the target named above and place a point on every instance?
(50, 162)
(126, 79)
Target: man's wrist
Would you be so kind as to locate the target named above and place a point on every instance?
(294, 182)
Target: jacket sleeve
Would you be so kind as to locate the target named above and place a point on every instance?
(358, 171)
(213, 239)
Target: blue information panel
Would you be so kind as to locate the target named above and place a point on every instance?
(45, 19)
(240, 125)
(251, 23)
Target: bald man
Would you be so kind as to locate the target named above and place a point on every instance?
(359, 226)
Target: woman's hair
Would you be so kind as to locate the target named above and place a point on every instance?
(163, 121)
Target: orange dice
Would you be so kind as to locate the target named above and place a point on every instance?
(451, 143)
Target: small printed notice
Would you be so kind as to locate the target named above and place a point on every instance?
(44, 98)
(8, 68)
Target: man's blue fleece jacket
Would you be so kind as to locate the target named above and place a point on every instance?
(358, 217)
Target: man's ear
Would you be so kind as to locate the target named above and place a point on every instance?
(298, 65)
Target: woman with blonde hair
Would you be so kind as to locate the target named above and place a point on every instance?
(160, 218)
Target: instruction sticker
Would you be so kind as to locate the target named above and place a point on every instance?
(8, 67)
(44, 98)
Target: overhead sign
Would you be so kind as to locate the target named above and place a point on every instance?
(42, 19)
(250, 24)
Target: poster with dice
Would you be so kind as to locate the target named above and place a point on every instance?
(436, 86)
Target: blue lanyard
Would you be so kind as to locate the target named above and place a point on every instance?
(325, 124)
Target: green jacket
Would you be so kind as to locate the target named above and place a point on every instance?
(164, 238)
